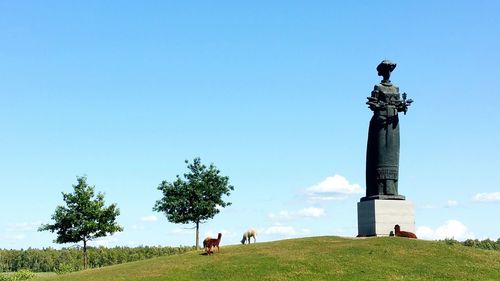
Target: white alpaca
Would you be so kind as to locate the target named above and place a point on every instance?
(248, 234)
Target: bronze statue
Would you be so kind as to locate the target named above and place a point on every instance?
(382, 156)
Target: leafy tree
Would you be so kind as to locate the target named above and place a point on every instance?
(84, 217)
(195, 198)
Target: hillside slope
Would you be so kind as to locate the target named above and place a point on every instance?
(315, 258)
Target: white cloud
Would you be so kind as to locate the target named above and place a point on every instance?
(451, 203)
(107, 241)
(487, 197)
(282, 230)
(282, 215)
(311, 212)
(425, 232)
(19, 231)
(24, 226)
(333, 188)
(451, 229)
(20, 235)
(286, 231)
(150, 218)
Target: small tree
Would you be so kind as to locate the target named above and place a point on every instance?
(195, 198)
(84, 217)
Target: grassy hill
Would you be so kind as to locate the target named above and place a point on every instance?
(316, 258)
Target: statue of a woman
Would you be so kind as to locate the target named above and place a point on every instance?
(382, 156)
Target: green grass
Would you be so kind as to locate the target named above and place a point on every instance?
(316, 258)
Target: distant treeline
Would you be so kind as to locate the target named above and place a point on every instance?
(70, 259)
(486, 244)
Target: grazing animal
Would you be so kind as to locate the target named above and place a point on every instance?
(398, 232)
(248, 234)
(209, 243)
(206, 241)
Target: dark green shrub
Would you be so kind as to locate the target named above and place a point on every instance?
(64, 268)
(22, 274)
(450, 241)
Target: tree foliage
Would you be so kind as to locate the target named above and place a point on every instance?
(195, 198)
(70, 259)
(486, 244)
(84, 217)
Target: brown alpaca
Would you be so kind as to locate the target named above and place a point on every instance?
(209, 243)
(206, 241)
(400, 233)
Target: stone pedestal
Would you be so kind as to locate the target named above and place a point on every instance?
(378, 217)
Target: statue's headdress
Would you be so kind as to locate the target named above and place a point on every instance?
(384, 69)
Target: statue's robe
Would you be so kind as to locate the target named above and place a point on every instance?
(382, 156)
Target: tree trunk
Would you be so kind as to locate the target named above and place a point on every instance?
(84, 254)
(197, 234)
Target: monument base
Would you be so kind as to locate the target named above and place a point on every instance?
(378, 217)
(383, 197)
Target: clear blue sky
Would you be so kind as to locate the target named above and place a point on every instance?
(272, 92)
